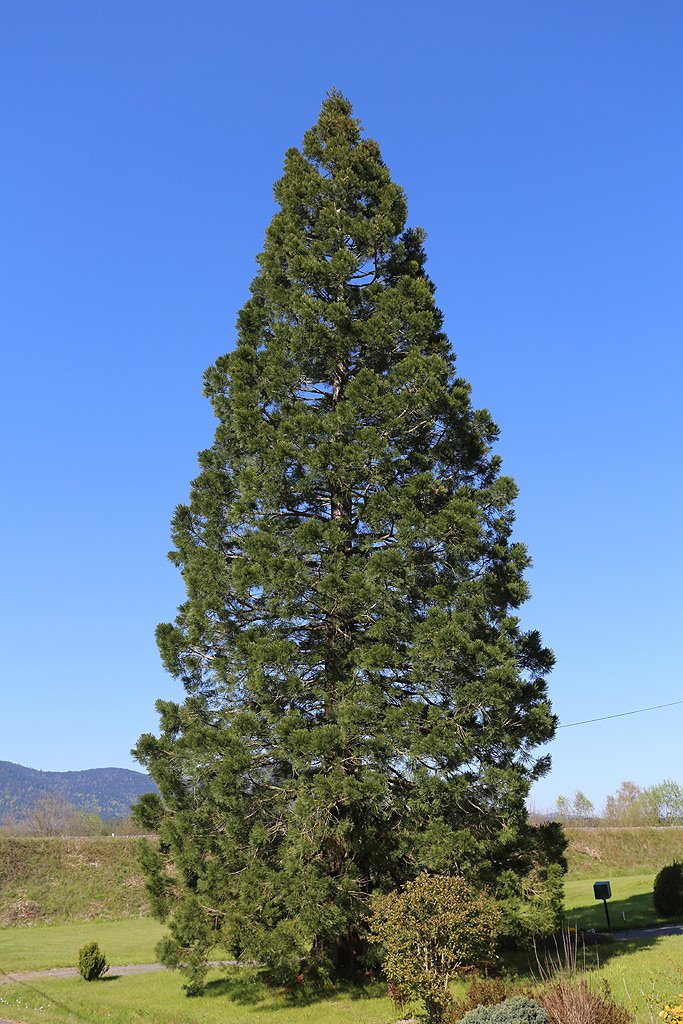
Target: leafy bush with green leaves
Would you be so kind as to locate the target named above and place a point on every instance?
(667, 895)
(92, 962)
(433, 929)
(518, 1010)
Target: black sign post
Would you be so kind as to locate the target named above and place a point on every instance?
(603, 891)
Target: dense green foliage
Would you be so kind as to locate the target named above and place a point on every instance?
(92, 963)
(667, 893)
(362, 703)
(435, 928)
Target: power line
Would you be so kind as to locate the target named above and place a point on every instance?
(623, 714)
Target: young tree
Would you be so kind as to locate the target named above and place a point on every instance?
(579, 811)
(361, 701)
(49, 815)
(583, 810)
(627, 806)
(563, 808)
(664, 802)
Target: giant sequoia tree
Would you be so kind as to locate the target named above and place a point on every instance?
(362, 704)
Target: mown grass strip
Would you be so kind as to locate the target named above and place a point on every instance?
(235, 998)
(129, 941)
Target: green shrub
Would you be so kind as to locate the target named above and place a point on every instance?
(92, 962)
(518, 1010)
(668, 890)
(432, 930)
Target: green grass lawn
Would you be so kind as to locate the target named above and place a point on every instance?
(631, 905)
(646, 968)
(130, 941)
(159, 999)
(631, 897)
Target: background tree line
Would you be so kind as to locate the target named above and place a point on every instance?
(659, 804)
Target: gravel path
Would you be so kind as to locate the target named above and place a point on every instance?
(649, 933)
(71, 972)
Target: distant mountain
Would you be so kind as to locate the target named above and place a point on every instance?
(107, 791)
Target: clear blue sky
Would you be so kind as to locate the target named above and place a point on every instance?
(541, 147)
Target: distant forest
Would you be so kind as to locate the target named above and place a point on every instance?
(106, 792)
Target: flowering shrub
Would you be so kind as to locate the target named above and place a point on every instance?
(432, 930)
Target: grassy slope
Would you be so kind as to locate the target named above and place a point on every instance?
(629, 858)
(599, 853)
(57, 880)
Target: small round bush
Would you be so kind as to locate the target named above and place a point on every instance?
(668, 891)
(92, 962)
(479, 1015)
(518, 1010)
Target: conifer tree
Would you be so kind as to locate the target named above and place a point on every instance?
(362, 704)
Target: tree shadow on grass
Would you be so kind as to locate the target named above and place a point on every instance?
(633, 912)
(252, 989)
(522, 966)
(606, 950)
(239, 986)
